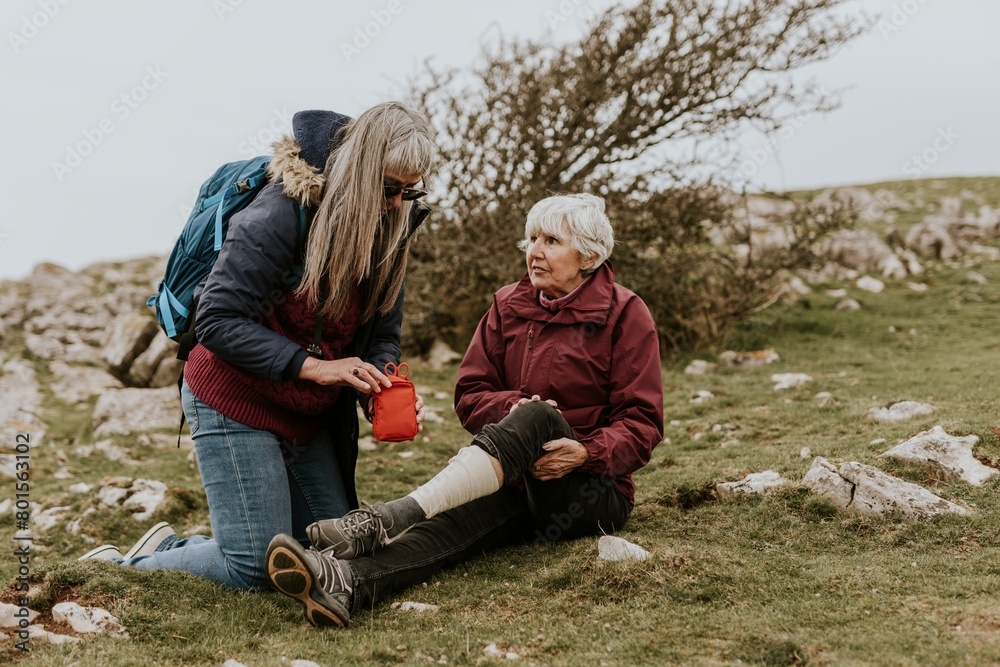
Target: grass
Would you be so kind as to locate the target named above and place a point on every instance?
(782, 579)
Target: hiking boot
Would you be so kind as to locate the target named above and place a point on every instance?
(103, 552)
(154, 537)
(314, 579)
(357, 533)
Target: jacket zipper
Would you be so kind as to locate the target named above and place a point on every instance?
(527, 351)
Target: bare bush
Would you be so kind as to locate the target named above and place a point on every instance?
(619, 113)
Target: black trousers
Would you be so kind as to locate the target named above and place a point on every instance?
(525, 509)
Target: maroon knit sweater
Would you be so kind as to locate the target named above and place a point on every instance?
(292, 409)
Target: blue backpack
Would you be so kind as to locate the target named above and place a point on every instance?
(229, 190)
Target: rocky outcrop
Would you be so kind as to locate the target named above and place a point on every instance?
(952, 233)
(866, 490)
(753, 484)
(126, 411)
(951, 453)
(901, 411)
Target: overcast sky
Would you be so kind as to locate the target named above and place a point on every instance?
(114, 112)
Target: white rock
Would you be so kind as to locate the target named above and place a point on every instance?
(141, 370)
(126, 411)
(849, 305)
(901, 411)
(953, 453)
(233, 663)
(824, 479)
(88, 619)
(20, 402)
(9, 617)
(917, 287)
(702, 397)
(304, 663)
(877, 441)
(129, 335)
(415, 606)
(790, 380)
(805, 453)
(440, 355)
(616, 549)
(977, 278)
(367, 444)
(108, 449)
(432, 416)
(699, 367)
(78, 383)
(825, 399)
(838, 293)
(112, 496)
(48, 518)
(869, 284)
(168, 372)
(492, 651)
(147, 495)
(752, 484)
(405, 455)
(38, 633)
(43, 347)
(867, 490)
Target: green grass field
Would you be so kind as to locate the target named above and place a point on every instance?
(776, 580)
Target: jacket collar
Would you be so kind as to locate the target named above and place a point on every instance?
(591, 302)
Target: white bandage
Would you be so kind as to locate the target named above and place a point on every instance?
(468, 475)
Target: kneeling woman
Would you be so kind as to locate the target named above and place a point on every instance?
(271, 390)
(562, 388)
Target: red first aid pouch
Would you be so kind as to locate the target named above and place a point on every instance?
(395, 417)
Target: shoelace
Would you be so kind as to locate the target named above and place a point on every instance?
(362, 523)
(331, 577)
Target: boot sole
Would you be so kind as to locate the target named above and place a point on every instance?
(292, 577)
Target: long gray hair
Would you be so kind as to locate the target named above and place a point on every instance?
(350, 242)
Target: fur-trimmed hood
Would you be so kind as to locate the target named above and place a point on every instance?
(299, 160)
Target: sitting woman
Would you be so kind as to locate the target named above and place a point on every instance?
(562, 388)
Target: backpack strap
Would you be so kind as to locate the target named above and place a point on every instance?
(220, 198)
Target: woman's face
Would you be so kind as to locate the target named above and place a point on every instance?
(398, 180)
(554, 265)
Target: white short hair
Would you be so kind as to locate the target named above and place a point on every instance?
(590, 230)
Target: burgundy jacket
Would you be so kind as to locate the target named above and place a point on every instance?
(598, 358)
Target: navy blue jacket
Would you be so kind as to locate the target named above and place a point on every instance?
(260, 257)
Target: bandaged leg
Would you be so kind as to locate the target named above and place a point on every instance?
(469, 475)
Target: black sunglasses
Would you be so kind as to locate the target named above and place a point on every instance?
(409, 194)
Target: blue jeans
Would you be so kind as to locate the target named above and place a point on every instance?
(252, 496)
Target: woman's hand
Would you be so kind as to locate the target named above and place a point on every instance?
(561, 457)
(533, 399)
(350, 372)
(420, 413)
